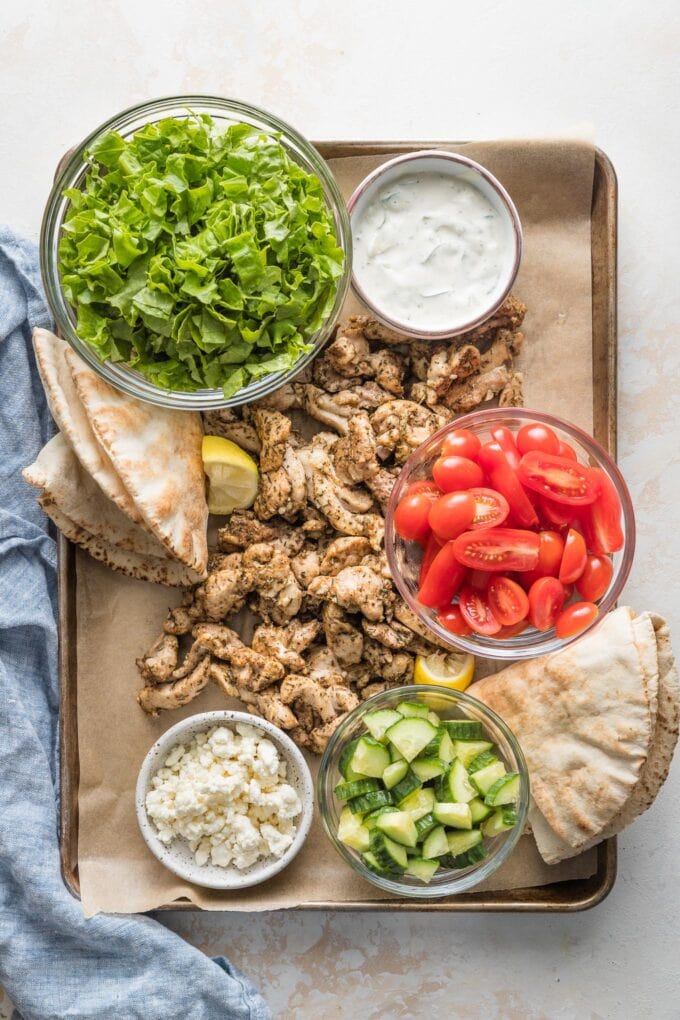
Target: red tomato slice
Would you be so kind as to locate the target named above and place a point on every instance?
(477, 613)
(453, 473)
(506, 441)
(442, 580)
(505, 481)
(595, 579)
(452, 619)
(508, 632)
(535, 436)
(411, 516)
(602, 520)
(575, 618)
(508, 601)
(546, 598)
(567, 451)
(574, 557)
(423, 485)
(491, 508)
(559, 515)
(549, 553)
(461, 443)
(451, 514)
(562, 480)
(479, 579)
(432, 547)
(497, 549)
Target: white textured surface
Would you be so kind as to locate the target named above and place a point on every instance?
(436, 70)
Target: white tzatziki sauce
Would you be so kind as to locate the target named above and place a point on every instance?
(430, 249)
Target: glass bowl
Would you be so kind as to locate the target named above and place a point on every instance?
(447, 704)
(72, 175)
(404, 557)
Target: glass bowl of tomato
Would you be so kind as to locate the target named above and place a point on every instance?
(510, 533)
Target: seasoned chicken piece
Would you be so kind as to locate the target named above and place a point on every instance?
(350, 356)
(509, 316)
(381, 484)
(244, 529)
(345, 641)
(224, 592)
(511, 394)
(283, 488)
(328, 697)
(195, 655)
(445, 367)
(181, 619)
(408, 618)
(344, 552)
(159, 662)
(394, 667)
(306, 565)
(374, 330)
(401, 426)
(314, 525)
(364, 588)
(282, 399)
(249, 668)
(389, 368)
(227, 424)
(504, 346)
(470, 393)
(279, 596)
(286, 643)
(354, 456)
(348, 352)
(397, 637)
(163, 697)
(335, 410)
(378, 687)
(265, 703)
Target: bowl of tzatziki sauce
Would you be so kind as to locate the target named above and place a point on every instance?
(437, 243)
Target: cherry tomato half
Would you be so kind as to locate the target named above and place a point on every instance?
(508, 601)
(567, 451)
(546, 598)
(479, 579)
(423, 485)
(602, 521)
(453, 473)
(535, 436)
(452, 514)
(461, 443)
(594, 581)
(575, 618)
(505, 439)
(574, 557)
(497, 549)
(550, 553)
(442, 580)
(476, 612)
(452, 620)
(432, 547)
(560, 479)
(411, 516)
(491, 508)
(504, 480)
(508, 632)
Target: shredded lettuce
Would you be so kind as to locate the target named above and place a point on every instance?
(201, 257)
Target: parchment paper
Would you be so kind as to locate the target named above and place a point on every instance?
(118, 618)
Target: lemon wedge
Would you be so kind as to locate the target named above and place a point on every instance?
(233, 477)
(447, 669)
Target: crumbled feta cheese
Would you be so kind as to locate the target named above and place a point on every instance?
(226, 794)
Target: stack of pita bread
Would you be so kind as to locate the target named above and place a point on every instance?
(598, 724)
(122, 479)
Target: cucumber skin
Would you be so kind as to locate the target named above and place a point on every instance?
(402, 770)
(464, 729)
(425, 825)
(405, 786)
(492, 795)
(413, 710)
(345, 758)
(373, 865)
(369, 801)
(370, 748)
(481, 761)
(355, 788)
(380, 848)
(465, 860)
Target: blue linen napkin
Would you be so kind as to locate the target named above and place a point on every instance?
(53, 962)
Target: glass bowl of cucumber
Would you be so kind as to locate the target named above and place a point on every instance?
(423, 791)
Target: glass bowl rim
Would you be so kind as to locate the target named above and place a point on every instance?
(551, 643)
(478, 872)
(125, 379)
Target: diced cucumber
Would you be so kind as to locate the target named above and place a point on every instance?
(500, 821)
(425, 824)
(433, 718)
(472, 856)
(440, 747)
(504, 791)
(405, 786)
(395, 754)
(418, 867)
(464, 729)
(413, 710)
(461, 842)
(388, 853)
(399, 826)
(481, 761)
(370, 801)
(479, 810)
(352, 831)
(373, 865)
(456, 816)
(370, 757)
(377, 722)
(427, 768)
(410, 736)
(455, 785)
(436, 844)
(370, 819)
(344, 763)
(468, 750)
(419, 803)
(394, 773)
(486, 777)
(345, 791)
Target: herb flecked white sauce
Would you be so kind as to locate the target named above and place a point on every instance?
(430, 249)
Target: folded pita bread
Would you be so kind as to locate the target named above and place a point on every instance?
(598, 723)
(156, 452)
(69, 414)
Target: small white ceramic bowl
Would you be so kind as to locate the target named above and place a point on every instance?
(457, 166)
(177, 856)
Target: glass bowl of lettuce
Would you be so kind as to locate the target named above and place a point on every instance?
(196, 252)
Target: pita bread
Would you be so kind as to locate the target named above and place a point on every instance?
(69, 414)
(145, 568)
(583, 719)
(156, 453)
